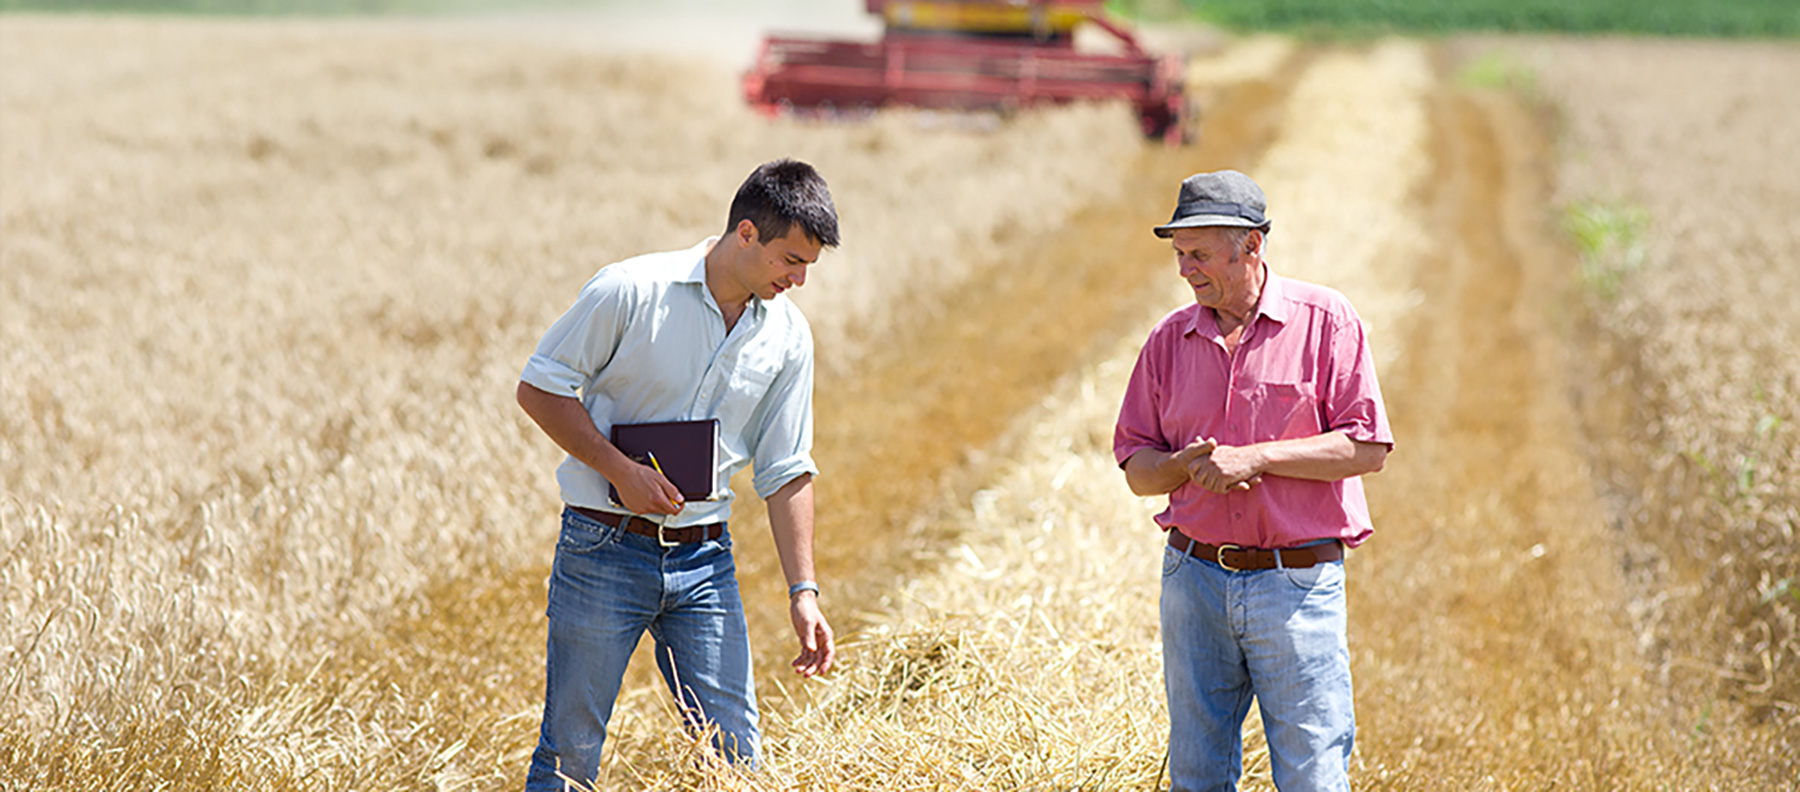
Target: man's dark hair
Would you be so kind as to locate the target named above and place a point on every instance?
(781, 193)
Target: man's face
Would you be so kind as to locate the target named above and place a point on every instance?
(780, 264)
(1221, 273)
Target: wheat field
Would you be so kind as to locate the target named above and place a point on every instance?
(271, 521)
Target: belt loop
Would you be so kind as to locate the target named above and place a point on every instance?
(1278, 561)
(1190, 548)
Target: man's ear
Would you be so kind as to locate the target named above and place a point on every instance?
(746, 232)
(1253, 242)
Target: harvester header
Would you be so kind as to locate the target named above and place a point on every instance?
(971, 55)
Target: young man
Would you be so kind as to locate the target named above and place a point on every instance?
(1255, 410)
(701, 333)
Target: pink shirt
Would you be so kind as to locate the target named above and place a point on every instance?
(1302, 368)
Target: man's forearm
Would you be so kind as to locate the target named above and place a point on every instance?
(1328, 457)
(1152, 472)
(641, 489)
(791, 523)
(568, 424)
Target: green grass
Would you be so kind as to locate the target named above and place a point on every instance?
(1610, 239)
(1716, 18)
(1501, 70)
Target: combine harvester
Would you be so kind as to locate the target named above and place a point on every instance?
(971, 55)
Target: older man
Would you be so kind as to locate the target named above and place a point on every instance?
(1255, 410)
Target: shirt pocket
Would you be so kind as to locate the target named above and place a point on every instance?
(1284, 411)
(744, 392)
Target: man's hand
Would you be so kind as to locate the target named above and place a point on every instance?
(1223, 469)
(1195, 451)
(816, 646)
(1153, 472)
(644, 490)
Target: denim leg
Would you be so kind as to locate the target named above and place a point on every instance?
(607, 588)
(703, 650)
(604, 593)
(1300, 660)
(1204, 673)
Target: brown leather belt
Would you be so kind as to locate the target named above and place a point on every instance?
(1237, 558)
(642, 527)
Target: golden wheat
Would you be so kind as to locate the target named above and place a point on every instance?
(270, 520)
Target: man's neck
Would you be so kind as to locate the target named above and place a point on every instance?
(1233, 318)
(731, 296)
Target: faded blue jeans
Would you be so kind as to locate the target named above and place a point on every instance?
(609, 587)
(1275, 634)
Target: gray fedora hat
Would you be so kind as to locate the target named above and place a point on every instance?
(1221, 198)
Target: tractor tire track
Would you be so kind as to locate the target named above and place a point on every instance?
(1489, 628)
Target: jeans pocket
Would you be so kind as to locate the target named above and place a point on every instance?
(1315, 576)
(582, 535)
(1172, 559)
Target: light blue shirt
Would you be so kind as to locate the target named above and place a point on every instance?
(645, 341)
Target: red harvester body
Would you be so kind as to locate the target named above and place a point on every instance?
(970, 55)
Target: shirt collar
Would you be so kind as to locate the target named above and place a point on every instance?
(1274, 303)
(696, 275)
(696, 272)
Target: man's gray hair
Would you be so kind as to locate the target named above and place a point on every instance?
(1236, 236)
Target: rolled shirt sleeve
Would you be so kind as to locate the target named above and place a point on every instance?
(1352, 401)
(584, 340)
(1139, 426)
(780, 432)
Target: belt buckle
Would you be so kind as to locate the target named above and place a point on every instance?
(660, 525)
(1219, 557)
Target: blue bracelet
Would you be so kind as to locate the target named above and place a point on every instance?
(804, 585)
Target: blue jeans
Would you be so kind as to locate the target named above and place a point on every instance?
(607, 588)
(1275, 634)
